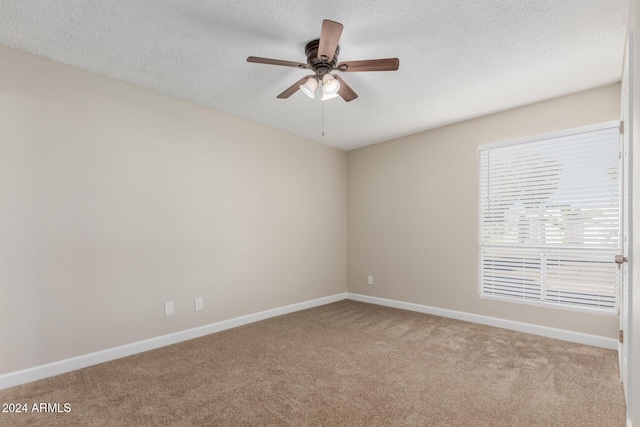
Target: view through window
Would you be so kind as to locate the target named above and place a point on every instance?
(550, 220)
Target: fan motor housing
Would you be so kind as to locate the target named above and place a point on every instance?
(320, 66)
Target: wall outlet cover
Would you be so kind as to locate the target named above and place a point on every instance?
(168, 308)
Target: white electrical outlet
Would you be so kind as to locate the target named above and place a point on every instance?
(168, 308)
(370, 280)
(199, 303)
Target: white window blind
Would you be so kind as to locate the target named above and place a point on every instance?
(550, 220)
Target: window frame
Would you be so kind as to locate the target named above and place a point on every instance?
(538, 138)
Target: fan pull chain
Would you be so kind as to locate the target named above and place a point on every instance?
(322, 117)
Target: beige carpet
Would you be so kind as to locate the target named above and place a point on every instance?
(346, 363)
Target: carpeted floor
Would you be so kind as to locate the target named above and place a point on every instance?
(346, 363)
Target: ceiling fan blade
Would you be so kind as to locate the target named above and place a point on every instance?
(345, 91)
(270, 61)
(329, 38)
(294, 87)
(387, 64)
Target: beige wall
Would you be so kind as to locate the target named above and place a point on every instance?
(413, 211)
(115, 199)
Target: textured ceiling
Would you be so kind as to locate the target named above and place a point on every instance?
(459, 59)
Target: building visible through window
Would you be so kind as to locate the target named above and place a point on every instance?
(550, 220)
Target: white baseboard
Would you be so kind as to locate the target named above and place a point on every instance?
(67, 365)
(545, 331)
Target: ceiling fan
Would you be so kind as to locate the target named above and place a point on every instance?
(322, 58)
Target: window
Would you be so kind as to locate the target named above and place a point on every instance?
(550, 220)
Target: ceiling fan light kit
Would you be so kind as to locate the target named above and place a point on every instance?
(328, 97)
(330, 87)
(322, 58)
(309, 87)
